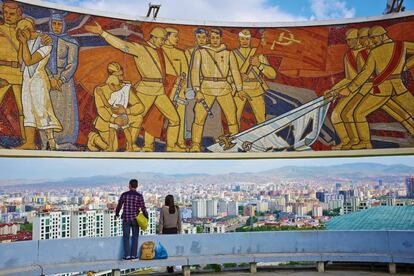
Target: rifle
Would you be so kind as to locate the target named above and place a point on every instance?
(177, 99)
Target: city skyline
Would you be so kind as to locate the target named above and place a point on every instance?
(56, 168)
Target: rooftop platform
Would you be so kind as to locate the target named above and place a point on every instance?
(317, 247)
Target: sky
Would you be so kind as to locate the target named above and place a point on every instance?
(243, 10)
(60, 168)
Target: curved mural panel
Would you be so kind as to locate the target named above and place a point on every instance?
(80, 82)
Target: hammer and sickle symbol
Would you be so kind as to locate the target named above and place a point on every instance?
(285, 40)
(226, 141)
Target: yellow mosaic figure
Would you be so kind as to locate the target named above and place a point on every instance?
(212, 67)
(201, 38)
(176, 65)
(391, 107)
(253, 68)
(10, 66)
(385, 63)
(150, 63)
(112, 115)
(350, 67)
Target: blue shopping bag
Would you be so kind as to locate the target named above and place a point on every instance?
(160, 252)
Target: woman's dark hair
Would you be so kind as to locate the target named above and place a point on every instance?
(169, 201)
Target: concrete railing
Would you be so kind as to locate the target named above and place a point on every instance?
(70, 255)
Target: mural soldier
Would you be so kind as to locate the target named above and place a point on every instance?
(350, 66)
(176, 65)
(10, 73)
(391, 107)
(387, 61)
(151, 65)
(118, 107)
(253, 69)
(212, 67)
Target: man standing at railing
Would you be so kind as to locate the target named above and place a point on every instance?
(133, 203)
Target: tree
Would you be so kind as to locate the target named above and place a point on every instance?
(251, 220)
(200, 229)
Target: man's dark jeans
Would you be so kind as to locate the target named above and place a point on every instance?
(126, 230)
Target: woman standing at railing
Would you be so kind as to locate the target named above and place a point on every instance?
(170, 220)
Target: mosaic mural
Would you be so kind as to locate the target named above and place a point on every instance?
(78, 82)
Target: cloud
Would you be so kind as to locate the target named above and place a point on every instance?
(223, 10)
(330, 9)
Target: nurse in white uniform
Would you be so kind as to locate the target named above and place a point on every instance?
(34, 52)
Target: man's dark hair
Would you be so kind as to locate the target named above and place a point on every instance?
(133, 183)
(201, 31)
(216, 31)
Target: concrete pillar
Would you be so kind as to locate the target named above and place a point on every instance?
(116, 272)
(392, 268)
(186, 270)
(253, 267)
(320, 266)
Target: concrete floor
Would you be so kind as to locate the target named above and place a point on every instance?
(304, 273)
(283, 272)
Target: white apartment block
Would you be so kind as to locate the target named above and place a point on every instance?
(52, 225)
(199, 208)
(212, 208)
(87, 224)
(317, 211)
(112, 226)
(79, 224)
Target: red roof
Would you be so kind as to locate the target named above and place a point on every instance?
(21, 236)
(6, 224)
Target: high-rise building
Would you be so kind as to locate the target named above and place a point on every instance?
(222, 207)
(300, 210)
(232, 208)
(409, 183)
(52, 225)
(87, 224)
(335, 203)
(112, 226)
(320, 196)
(351, 205)
(317, 211)
(199, 208)
(211, 205)
(249, 210)
(347, 194)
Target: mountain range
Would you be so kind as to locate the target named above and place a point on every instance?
(347, 172)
